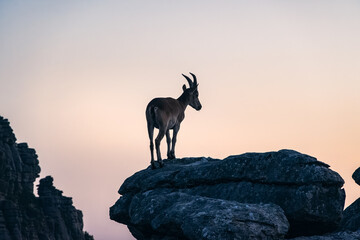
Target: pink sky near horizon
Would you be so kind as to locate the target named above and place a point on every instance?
(76, 77)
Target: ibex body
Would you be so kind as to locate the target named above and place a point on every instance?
(168, 113)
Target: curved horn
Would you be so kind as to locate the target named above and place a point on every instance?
(195, 81)
(189, 80)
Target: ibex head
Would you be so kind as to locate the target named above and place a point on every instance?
(193, 92)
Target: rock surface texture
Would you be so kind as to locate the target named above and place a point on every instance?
(186, 216)
(23, 216)
(196, 194)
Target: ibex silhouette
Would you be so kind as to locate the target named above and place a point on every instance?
(168, 113)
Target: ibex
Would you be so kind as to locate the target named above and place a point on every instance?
(168, 113)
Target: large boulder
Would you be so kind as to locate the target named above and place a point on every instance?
(158, 213)
(309, 193)
(161, 213)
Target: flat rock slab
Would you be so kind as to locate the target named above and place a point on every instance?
(173, 214)
(310, 194)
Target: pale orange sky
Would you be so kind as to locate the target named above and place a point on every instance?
(76, 77)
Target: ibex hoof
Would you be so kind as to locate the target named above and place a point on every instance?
(161, 163)
(171, 156)
(153, 165)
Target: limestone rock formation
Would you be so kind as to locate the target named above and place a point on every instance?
(308, 192)
(184, 216)
(23, 216)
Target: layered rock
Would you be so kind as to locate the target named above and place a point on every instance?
(309, 193)
(59, 212)
(156, 214)
(23, 216)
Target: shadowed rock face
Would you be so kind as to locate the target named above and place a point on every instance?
(23, 216)
(309, 193)
(356, 176)
(347, 235)
(351, 215)
(185, 216)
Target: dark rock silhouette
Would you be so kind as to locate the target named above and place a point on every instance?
(347, 235)
(186, 216)
(356, 176)
(351, 215)
(23, 216)
(308, 192)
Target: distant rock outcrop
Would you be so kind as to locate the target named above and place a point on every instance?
(356, 176)
(262, 187)
(23, 216)
(351, 216)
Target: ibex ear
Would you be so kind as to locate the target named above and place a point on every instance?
(184, 87)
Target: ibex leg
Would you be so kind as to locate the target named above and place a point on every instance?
(151, 135)
(157, 145)
(168, 141)
(172, 152)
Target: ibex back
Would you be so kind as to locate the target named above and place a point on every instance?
(168, 113)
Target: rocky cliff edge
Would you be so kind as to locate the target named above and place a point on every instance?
(273, 195)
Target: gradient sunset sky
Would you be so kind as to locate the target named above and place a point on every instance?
(76, 77)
